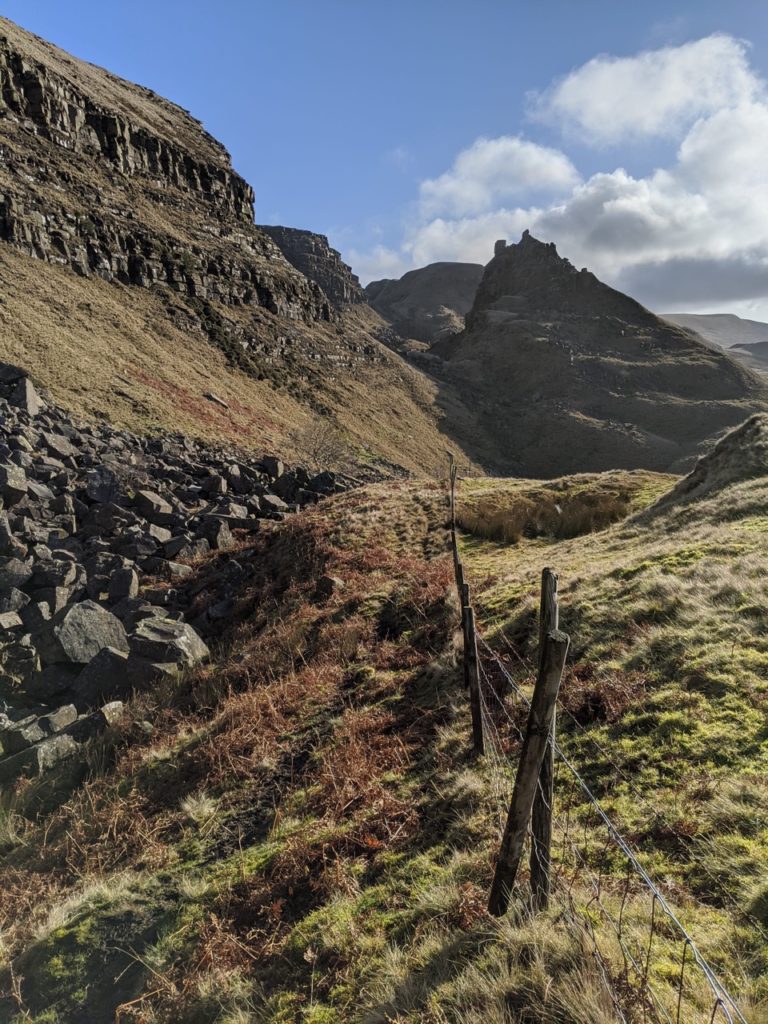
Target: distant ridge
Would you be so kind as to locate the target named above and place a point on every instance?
(724, 329)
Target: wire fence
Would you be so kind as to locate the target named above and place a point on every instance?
(598, 877)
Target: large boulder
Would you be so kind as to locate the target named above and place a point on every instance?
(24, 397)
(166, 641)
(110, 674)
(13, 483)
(78, 634)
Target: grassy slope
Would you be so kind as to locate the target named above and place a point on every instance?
(132, 356)
(667, 686)
(303, 836)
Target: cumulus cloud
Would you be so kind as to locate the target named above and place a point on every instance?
(379, 262)
(692, 231)
(656, 93)
(492, 171)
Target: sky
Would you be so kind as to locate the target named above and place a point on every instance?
(634, 136)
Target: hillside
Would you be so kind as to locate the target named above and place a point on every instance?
(297, 831)
(429, 303)
(724, 329)
(576, 376)
(135, 281)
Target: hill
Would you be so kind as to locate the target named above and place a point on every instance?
(583, 377)
(135, 281)
(297, 830)
(757, 350)
(724, 329)
(427, 304)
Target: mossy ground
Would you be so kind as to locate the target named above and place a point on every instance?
(304, 835)
(664, 695)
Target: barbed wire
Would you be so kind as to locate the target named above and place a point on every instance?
(729, 1006)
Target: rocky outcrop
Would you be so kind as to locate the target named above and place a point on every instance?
(313, 256)
(579, 377)
(97, 530)
(427, 304)
(109, 179)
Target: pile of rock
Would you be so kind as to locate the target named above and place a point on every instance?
(88, 514)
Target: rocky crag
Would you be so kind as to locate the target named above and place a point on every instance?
(90, 160)
(96, 534)
(312, 254)
(578, 377)
(134, 279)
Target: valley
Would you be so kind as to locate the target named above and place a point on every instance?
(272, 544)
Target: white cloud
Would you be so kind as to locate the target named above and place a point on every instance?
(378, 262)
(656, 93)
(693, 231)
(492, 171)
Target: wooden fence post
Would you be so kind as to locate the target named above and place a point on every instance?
(537, 735)
(541, 815)
(472, 678)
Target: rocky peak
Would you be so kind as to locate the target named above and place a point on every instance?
(313, 256)
(532, 277)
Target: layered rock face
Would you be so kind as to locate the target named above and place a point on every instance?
(97, 530)
(313, 256)
(577, 376)
(110, 179)
(427, 304)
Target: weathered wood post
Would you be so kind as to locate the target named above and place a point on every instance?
(459, 578)
(472, 678)
(541, 816)
(537, 735)
(465, 604)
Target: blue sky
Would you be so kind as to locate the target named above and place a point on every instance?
(343, 114)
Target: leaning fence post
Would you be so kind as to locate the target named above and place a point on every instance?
(537, 736)
(541, 815)
(472, 678)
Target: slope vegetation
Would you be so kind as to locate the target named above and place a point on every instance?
(298, 832)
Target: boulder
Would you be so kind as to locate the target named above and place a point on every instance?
(49, 684)
(273, 467)
(38, 759)
(102, 486)
(13, 483)
(58, 446)
(165, 641)
(80, 632)
(218, 535)
(123, 583)
(112, 673)
(14, 573)
(24, 397)
(150, 504)
(54, 573)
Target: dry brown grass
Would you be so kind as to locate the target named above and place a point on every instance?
(134, 357)
(512, 510)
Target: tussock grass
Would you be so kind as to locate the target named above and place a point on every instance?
(512, 510)
(664, 695)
